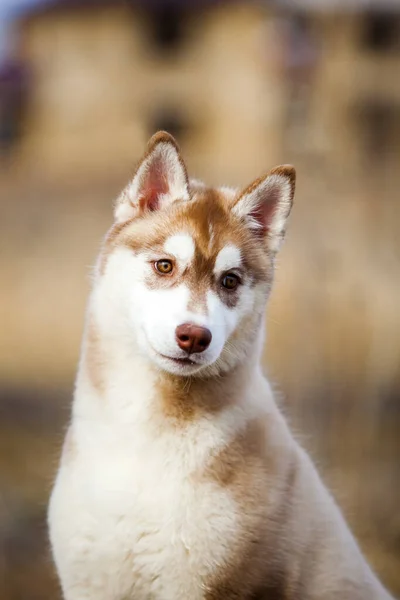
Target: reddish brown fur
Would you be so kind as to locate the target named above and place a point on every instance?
(242, 468)
(263, 213)
(158, 138)
(287, 171)
(149, 232)
(184, 399)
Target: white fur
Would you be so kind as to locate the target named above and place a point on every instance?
(125, 517)
(126, 520)
(181, 246)
(124, 209)
(197, 183)
(228, 192)
(222, 319)
(229, 257)
(128, 513)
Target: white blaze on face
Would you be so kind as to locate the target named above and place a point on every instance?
(181, 246)
(221, 316)
(155, 313)
(229, 257)
(158, 312)
(161, 312)
(222, 320)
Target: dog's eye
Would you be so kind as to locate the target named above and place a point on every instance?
(230, 281)
(163, 266)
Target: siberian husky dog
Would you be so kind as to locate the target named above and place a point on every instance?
(179, 478)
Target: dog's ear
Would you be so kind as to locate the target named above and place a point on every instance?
(160, 179)
(265, 205)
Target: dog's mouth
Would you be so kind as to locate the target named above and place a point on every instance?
(179, 361)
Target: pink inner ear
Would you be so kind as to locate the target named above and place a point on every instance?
(265, 209)
(154, 185)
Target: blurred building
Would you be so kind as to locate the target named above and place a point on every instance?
(108, 74)
(231, 75)
(354, 103)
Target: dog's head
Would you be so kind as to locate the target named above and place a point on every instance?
(188, 268)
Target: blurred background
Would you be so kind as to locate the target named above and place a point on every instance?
(244, 86)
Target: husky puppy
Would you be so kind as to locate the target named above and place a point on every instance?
(179, 478)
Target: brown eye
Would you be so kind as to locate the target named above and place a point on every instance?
(230, 281)
(164, 266)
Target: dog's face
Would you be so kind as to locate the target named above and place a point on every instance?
(190, 267)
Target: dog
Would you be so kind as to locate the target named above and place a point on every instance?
(179, 477)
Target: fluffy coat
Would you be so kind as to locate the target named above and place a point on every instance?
(179, 478)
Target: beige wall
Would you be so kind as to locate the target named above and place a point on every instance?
(81, 112)
(350, 77)
(98, 82)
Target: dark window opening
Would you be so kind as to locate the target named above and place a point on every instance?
(167, 24)
(381, 32)
(380, 125)
(14, 96)
(168, 119)
(300, 24)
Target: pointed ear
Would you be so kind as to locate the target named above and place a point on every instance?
(265, 205)
(160, 179)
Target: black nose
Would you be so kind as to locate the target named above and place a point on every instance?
(193, 338)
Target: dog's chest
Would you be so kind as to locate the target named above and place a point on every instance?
(158, 527)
